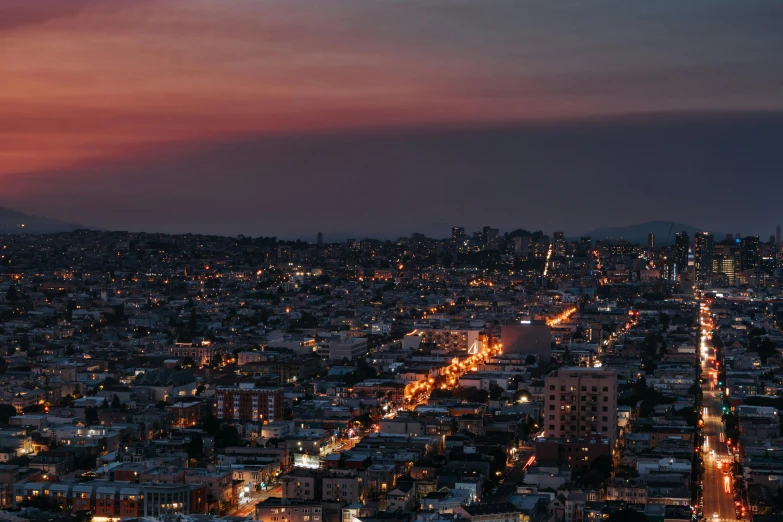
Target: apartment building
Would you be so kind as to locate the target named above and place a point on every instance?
(185, 414)
(455, 341)
(108, 499)
(581, 402)
(288, 510)
(247, 403)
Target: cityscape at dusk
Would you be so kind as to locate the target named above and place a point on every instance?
(391, 261)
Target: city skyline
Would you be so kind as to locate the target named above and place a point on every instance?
(391, 261)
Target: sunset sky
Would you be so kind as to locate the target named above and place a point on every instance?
(388, 116)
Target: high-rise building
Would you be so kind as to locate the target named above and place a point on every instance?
(559, 247)
(245, 402)
(726, 259)
(586, 242)
(749, 253)
(681, 243)
(457, 233)
(320, 240)
(522, 246)
(650, 242)
(702, 257)
(581, 403)
(777, 240)
(490, 238)
(541, 247)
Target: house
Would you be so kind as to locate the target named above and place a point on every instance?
(496, 512)
(402, 497)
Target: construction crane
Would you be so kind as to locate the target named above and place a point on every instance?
(669, 235)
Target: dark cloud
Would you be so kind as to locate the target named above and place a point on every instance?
(717, 171)
(15, 14)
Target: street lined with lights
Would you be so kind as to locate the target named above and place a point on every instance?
(717, 480)
(418, 392)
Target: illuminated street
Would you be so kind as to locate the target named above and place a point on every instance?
(249, 507)
(717, 479)
(420, 391)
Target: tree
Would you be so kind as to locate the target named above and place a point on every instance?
(216, 360)
(599, 472)
(69, 308)
(530, 360)
(471, 394)
(193, 322)
(627, 515)
(226, 436)
(24, 344)
(603, 464)
(6, 412)
(12, 296)
(115, 403)
(766, 349)
(650, 344)
(273, 442)
(33, 408)
(211, 424)
(441, 394)
(665, 320)
(495, 391)
(189, 362)
(498, 460)
(195, 447)
(82, 516)
(91, 415)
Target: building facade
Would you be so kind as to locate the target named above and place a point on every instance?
(581, 403)
(247, 403)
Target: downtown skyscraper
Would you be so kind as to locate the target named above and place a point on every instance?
(702, 257)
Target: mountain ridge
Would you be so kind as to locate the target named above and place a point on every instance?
(16, 222)
(637, 233)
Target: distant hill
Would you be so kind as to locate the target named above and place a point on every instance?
(15, 222)
(638, 233)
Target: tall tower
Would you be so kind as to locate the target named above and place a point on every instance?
(749, 252)
(702, 256)
(681, 242)
(777, 241)
(560, 244)
(320, 240)
(650, 242)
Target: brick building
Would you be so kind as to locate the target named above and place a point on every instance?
(247, 403)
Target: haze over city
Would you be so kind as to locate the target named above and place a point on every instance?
(382, 118)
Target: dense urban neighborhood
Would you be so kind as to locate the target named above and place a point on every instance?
(487, 376)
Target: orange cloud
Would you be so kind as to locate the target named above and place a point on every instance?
(101, 80)
(106, 82)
